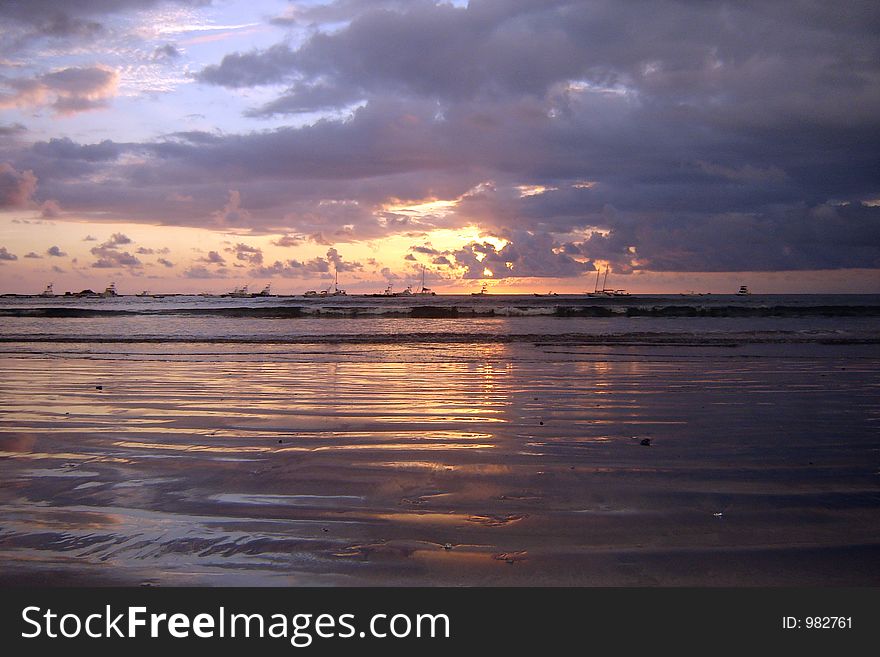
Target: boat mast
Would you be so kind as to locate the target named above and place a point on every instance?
(598, 271)
(605, 280)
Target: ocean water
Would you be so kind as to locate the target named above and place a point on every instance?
(452, 319)
(451, 440)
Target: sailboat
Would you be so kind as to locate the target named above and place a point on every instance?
(337, 292)
(605, 291)
(425, 291)
(484, 291)
(596, 291)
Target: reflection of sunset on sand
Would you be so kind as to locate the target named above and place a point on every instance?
(485, 464)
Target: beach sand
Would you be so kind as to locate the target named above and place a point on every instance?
(481, 464)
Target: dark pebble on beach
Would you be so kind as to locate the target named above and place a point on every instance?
(541, 423)
(645, 441)
(99, 387)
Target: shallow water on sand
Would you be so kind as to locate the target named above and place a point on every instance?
(433, 464)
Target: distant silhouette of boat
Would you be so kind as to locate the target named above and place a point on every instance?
(336, 290)
(484, 291)
(424, 291)
(110, 291)
(48, 292)
(743, 291)
(605, 291)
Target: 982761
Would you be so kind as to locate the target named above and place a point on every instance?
(817, 623)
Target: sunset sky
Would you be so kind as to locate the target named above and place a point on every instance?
(198, 145)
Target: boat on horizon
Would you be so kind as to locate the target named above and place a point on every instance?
(605, 291)
(240, 292)
(336, 290)
(48, 292)
(110, 291)
(484, 291)
(743, 291)
(425, 291)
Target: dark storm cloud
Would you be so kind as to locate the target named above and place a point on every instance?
(818, 237)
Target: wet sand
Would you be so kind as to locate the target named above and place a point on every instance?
(482, 464)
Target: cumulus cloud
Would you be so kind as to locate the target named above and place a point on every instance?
(339, 264)
(246, 253)
(232, 213)
(110, 257)
(6, 255)
(68, 90)
(16, 187)
(164, 262)
(288, 241)
(166, 51)
(525, 254)
(293, 269)
(307, 268)
(213, 258)
(50, 209)
(200, 271)
(55, 252)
